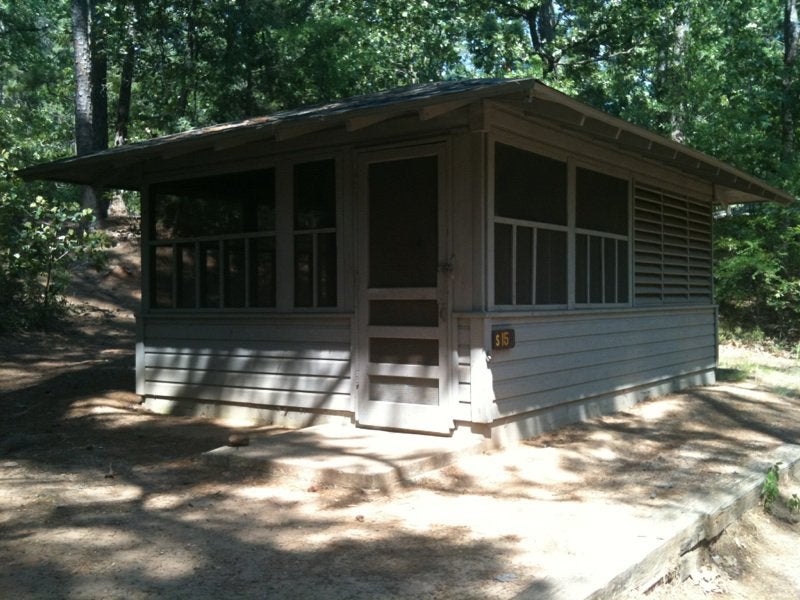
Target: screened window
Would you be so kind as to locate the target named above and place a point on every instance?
(212, 242)
(315, 234)
(213, 206)
(530, 231)
(541, 240)
(529, 186)
(601, 238)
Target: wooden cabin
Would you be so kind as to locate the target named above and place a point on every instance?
(489, 257)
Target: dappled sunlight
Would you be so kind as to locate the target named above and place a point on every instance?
(59, 491)
(105, 405)
(275, 495)
(691, 454)
(166, 502)
(662, 409)
(107, 538)
(106, 500)
(603, 453)
(12, 374)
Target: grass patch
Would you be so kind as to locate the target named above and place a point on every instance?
(733, 375)
(777, 371)
(786, 391)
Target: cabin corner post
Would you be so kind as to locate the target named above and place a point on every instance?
(349, 274)
(481, 387)
(144, 270)
(140, 357)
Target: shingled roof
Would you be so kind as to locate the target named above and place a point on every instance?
(122, 166)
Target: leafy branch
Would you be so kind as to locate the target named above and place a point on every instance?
(40, 242)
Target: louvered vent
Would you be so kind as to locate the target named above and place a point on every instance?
(672, 248)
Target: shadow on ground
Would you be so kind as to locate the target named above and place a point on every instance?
(103, 500)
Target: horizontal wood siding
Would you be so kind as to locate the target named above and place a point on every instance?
(294, 362)
(561, 359)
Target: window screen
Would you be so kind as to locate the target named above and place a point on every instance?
(210, 206)
(529, 186)
(533, 230)
(403, 223)
(530, 233)
(315, 195)
(213, 241)
(601, 202)
(601, 244)
(315, 255)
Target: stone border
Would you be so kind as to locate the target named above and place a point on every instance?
(725, 504)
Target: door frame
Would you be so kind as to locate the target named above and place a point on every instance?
(381, 414)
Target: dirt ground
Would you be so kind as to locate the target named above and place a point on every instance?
(99, 499)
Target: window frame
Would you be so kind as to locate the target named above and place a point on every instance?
(605, 236)
(573, 163)
(315, 233)
(197, 244)
(536, 227)
(283, 234)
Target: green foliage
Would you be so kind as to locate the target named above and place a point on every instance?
(769, 489)
(711, 74)
(757, 255)
(736, 334)
(41, 240)
(210, 62)
(36, 93)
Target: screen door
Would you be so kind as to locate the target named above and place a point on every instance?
(402, 304)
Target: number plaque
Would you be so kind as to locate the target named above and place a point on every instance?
(503, 339)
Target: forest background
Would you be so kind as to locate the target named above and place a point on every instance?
(79, 75)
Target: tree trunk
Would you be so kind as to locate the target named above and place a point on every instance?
(81, 44)
(91, 118)
(677, 112)
(791, 36)
(125, 87)
(99, 77)
(130, 15)
(541, 27)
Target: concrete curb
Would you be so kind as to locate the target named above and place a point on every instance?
(714, 513)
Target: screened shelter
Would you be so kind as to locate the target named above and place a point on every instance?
(483, 257)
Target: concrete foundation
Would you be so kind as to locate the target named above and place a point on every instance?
(501, 433)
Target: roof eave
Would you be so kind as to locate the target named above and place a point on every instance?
(732, 186)
(280, 126)
(123, 167)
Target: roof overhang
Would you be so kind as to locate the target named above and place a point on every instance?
(123, 167)
(731, 185)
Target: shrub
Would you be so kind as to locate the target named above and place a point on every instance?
(757, 271)
(41, 240)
